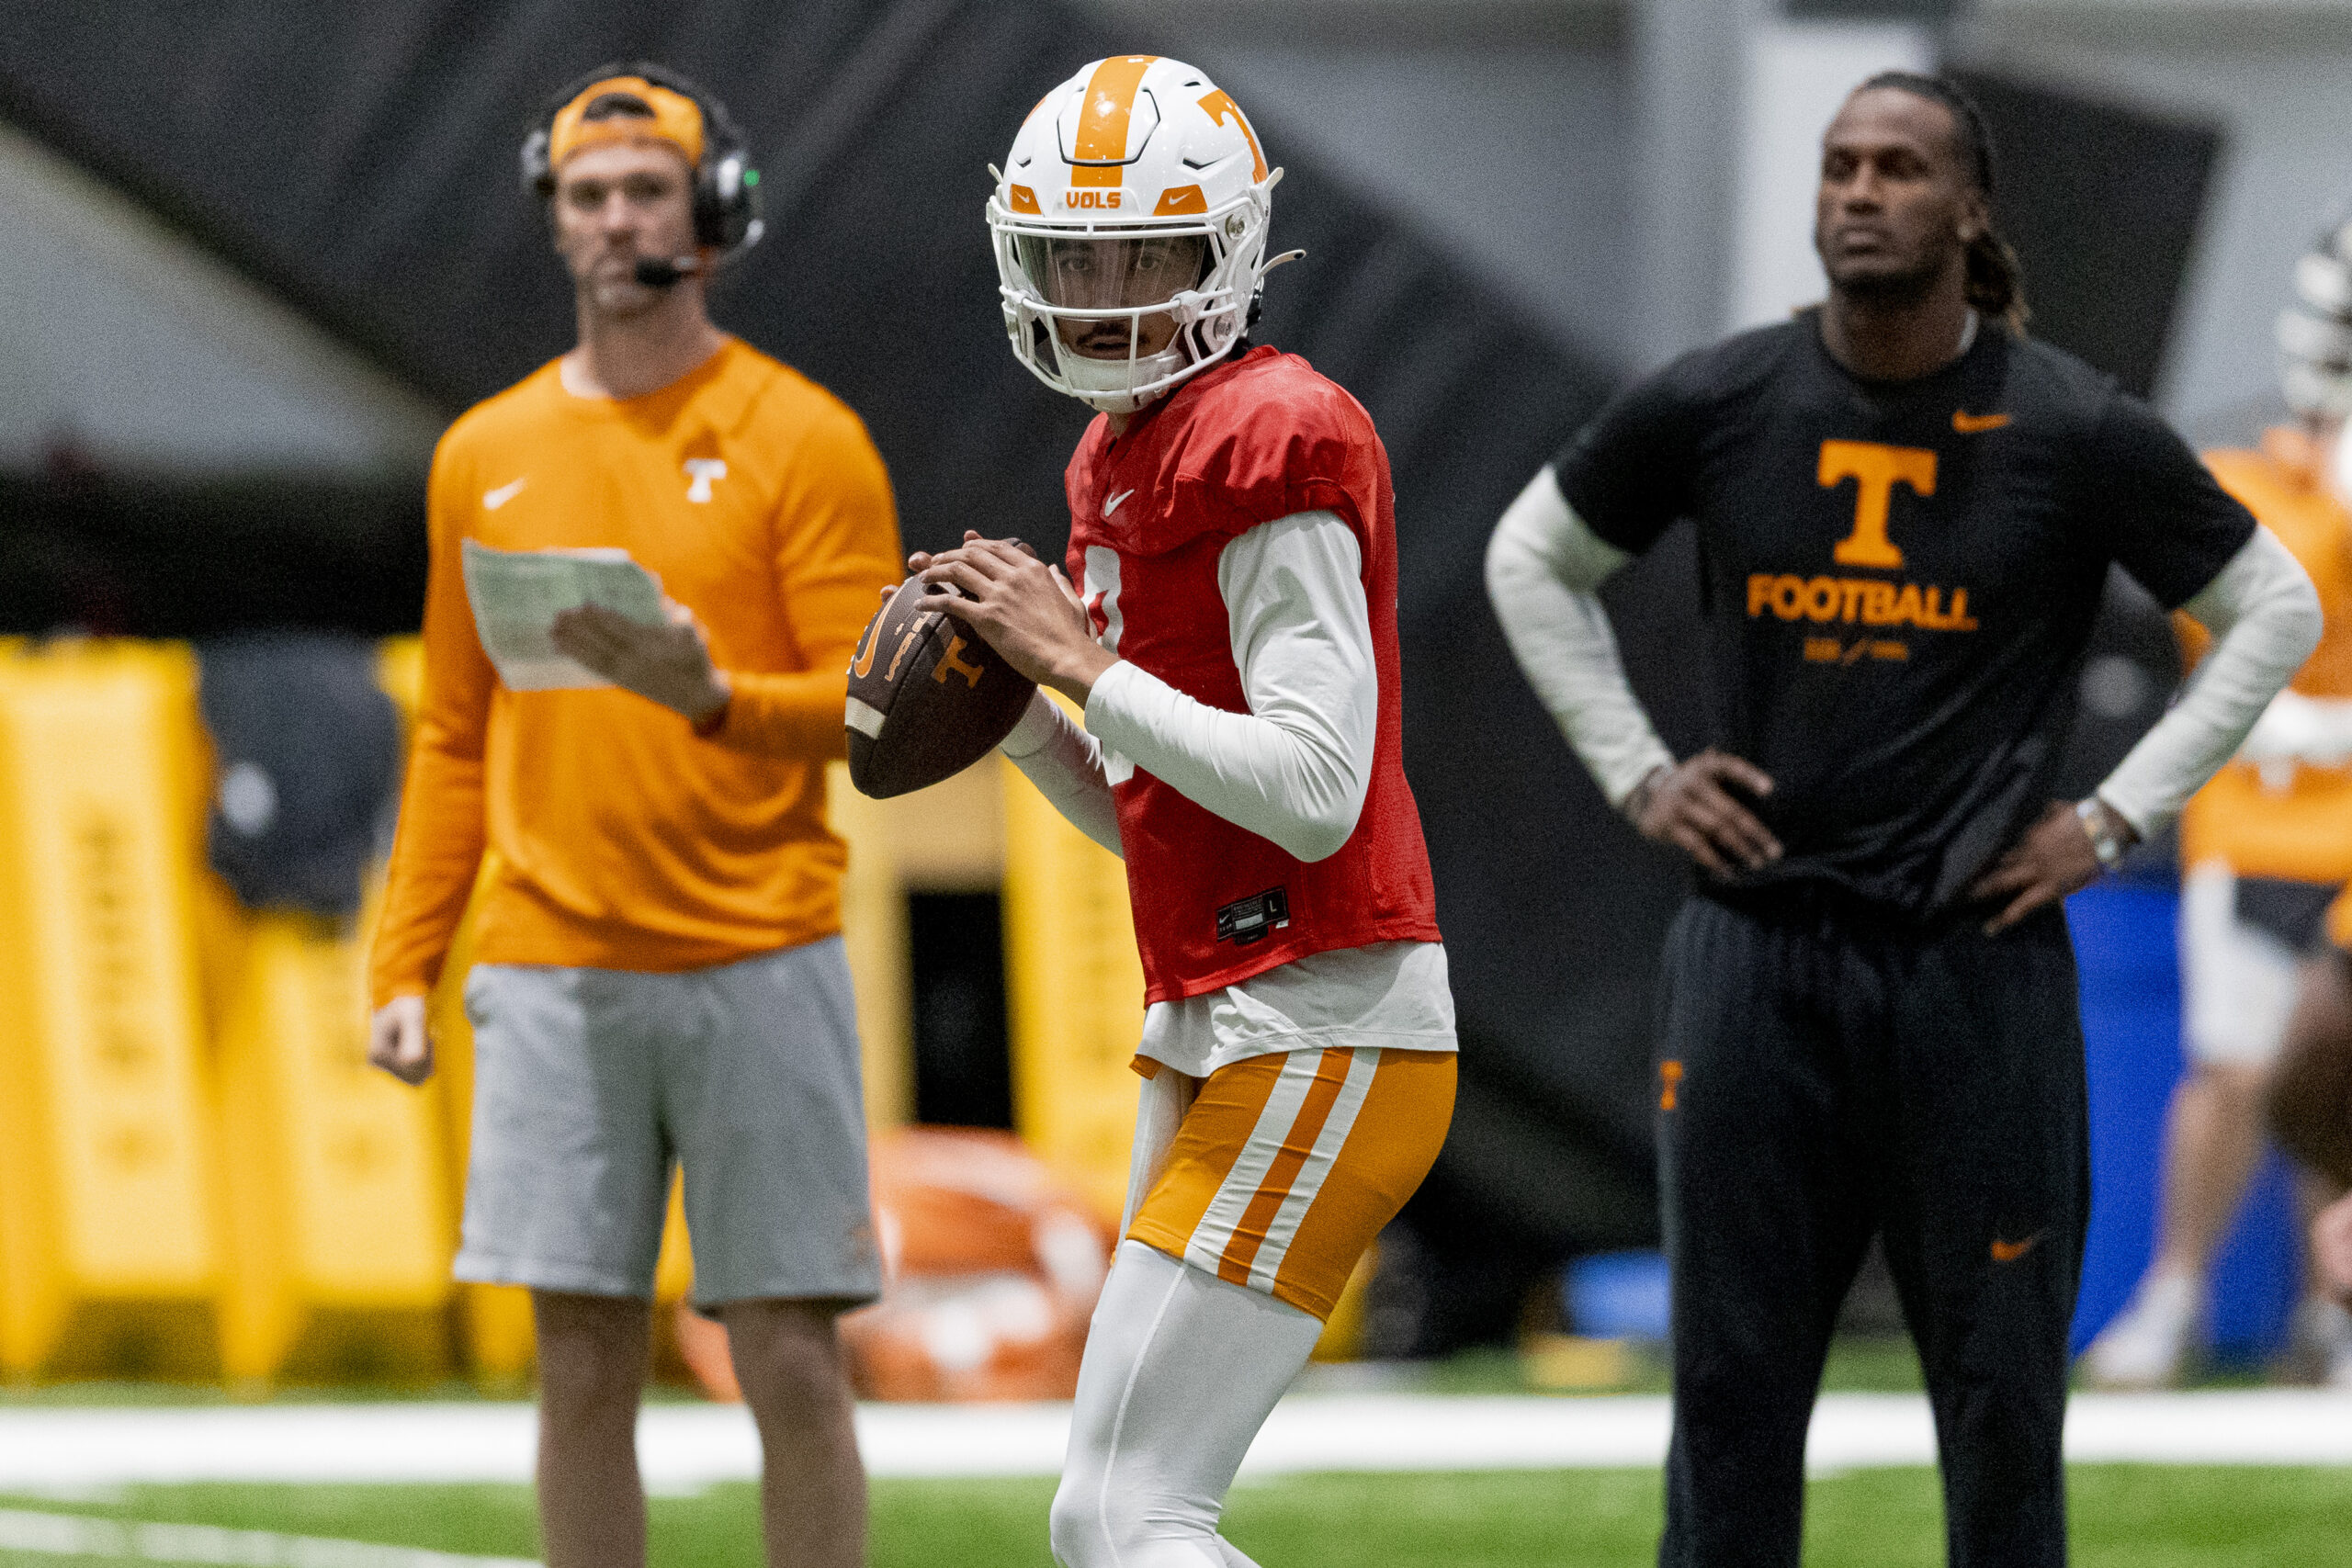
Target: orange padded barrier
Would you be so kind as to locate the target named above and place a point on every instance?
(109, 1250)
(339, 1210)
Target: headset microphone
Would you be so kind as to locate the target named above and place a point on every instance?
(726, 182)
(666, 272)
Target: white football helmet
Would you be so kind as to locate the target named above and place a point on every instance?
(2314, 333)
(1130, 230)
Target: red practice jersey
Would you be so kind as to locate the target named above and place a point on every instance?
(1258, 438)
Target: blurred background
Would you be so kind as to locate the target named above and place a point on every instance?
(256, 254)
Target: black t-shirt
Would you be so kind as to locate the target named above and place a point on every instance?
(1900, 578)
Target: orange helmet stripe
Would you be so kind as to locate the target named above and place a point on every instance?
(1104, 117)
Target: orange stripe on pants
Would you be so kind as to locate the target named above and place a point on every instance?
(1319, 1219)
(1250, 1234)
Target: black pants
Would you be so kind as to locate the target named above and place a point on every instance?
(1827, 1075)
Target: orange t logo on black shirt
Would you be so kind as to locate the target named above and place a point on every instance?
(1875, 470)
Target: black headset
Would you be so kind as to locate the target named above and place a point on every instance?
(726, 185)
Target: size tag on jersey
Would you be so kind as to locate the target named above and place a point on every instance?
(1249, 919)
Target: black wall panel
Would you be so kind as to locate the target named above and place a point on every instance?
(2102, 201)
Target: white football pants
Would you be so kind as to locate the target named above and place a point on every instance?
(1180, 1370)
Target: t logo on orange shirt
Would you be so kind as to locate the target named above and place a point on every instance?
(1875, 470)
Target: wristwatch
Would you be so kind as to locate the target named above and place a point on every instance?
(2106, 843)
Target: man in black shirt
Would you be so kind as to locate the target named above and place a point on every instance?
(1906, 511)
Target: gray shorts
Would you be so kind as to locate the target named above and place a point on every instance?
(589, 1084)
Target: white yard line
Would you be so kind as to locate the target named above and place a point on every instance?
(78, 1535)
(686, 1446)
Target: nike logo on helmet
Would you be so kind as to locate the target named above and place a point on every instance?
(492, 500)
(1113, 504)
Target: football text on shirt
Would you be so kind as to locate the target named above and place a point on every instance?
(1875, 469)
(1858, 600)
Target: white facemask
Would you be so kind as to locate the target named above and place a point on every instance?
(1108, 384)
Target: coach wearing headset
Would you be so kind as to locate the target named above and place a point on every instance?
(662, 976)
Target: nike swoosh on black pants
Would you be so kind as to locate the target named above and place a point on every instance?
(1845, 1073)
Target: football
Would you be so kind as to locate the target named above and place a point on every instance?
(928, 697)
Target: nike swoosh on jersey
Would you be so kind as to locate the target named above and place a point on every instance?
(1113, 504)
(1977, 423)
(492, 500)
(2010, 1251)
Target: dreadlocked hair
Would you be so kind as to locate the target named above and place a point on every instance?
(1995, 282)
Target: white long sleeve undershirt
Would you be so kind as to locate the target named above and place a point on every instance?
(1544, 562)
(1067, 767)
(1542, 566)
(1297, 767)
(2265, 618)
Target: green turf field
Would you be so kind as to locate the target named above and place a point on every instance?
(2125, 1517)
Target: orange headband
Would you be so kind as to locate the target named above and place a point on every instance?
(676, 120)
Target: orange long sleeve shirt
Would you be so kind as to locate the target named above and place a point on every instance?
(2294, 821)
(624, 839)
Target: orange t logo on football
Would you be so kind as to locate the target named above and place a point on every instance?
(1875, 470)
(954, 660)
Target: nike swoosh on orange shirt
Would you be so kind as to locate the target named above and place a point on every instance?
(1977, 423)
(2010, 1251)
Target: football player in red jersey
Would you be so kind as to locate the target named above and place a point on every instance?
(1235, 657)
